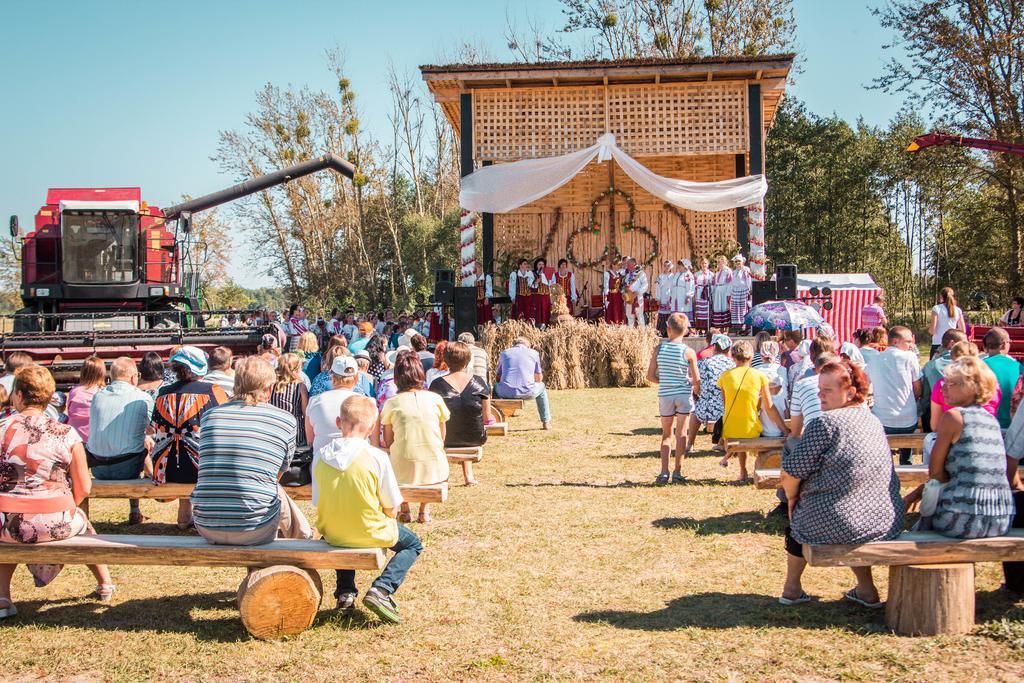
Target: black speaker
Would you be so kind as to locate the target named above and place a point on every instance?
(465, 310)
(764, 290)
(785, 278)
(444, 286)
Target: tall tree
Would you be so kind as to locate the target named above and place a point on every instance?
(964, 60)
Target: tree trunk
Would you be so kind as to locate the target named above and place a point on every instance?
(931, 599)
(279, 601)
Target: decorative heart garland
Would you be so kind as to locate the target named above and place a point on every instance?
(595, 229)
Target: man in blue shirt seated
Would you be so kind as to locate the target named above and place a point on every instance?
(519, 376)
(118, 418)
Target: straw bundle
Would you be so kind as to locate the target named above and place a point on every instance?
(578, 355)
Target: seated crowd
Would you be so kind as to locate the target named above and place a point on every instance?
(839, 483)
(358, 426)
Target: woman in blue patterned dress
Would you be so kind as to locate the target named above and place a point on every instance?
(969, 458)
(710, 404)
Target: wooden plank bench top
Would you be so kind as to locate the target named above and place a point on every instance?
(467, 454)
(919, 547)
(145, 488)
(497, 429)
(770, 444)
(190, 551)
(509, 406)
(909, 475)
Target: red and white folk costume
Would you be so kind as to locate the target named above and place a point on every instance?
(635, 287)
(614, 307)
(683, 291)
(542, 298)
(520, 290)
(484, 293)
(739, 294)
(568, 284)
(702, 281)
(721, 288)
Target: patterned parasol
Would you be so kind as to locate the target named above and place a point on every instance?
(782, 315)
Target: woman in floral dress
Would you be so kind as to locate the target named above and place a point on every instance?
(710, 404)
(39, 460)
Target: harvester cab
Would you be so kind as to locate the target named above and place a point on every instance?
(104, 272)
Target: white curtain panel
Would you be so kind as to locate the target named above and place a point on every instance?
(504, 187)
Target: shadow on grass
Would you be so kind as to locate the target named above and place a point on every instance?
(640, 431)
(734, 523)
(725, 611)
(657, 454)
(998, 604)
(172, 613)
(619, 485)
(145, 529)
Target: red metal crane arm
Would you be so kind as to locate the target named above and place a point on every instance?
(939, 139)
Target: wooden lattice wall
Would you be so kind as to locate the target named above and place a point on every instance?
(647, 120)
(526, 230)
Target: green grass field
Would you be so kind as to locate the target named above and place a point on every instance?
(564, 563)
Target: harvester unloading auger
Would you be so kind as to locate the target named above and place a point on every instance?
(105, 273)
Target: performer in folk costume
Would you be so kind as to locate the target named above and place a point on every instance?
(520, 290)
(703, 279)
(742, 287)
(435, 333)
(720, 290)
(614, 307)
(541, 293)
(664, 292)
(484, 293)
(634, 287)
(683, 289)
(567, 280)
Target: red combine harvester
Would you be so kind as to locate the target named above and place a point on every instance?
(105, 273)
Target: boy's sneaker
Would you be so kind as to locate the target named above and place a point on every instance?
(662, 479)
(383, 605)
(346, 602)
(677, 478)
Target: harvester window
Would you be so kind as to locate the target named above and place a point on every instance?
(100, 246)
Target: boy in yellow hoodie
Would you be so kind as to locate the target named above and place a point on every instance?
(357, 497)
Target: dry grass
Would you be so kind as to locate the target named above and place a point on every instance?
(564, 563)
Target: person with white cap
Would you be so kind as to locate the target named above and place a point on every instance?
(323, 409)
(683, 290)
(635, 286)
(739, 294)
(179, 409)
(664, 292)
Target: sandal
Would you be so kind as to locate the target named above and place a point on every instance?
(662, 479)
(405, 517)
(8, 609)
(423, 519)
(852, 596)
(678, 478)
(804, 597)
(105, 591)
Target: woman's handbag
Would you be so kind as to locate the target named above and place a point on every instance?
(298, 472)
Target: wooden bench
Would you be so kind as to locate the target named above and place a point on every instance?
(497, 429)
(466, 457)
(931, 577)
(509, 406)
(145, 488)
(909, 475)
(767, 451)
(279, 597)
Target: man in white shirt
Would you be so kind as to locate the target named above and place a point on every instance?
(683, 290)
(636, 286)
(895, 376)
(805, 405)
(664, 292)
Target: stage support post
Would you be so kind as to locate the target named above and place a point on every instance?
(465, 307)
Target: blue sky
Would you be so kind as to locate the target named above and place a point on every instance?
(105, 93)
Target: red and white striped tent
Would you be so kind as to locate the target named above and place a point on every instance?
(851, 292)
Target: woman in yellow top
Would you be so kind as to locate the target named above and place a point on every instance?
(745, 390)
(414, 428)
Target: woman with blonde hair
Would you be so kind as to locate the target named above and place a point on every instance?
(290, 394)
(967, 495)
(946, 315)
(46, 478)
(307, 345)
(91, 379)
(964, 349)
(244, 447)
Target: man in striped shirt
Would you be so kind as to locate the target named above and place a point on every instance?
(674, 369)
(244, 448)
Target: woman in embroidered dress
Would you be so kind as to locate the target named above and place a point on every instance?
(721, 291)
(702, 281)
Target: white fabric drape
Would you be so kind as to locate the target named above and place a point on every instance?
(504, 187)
